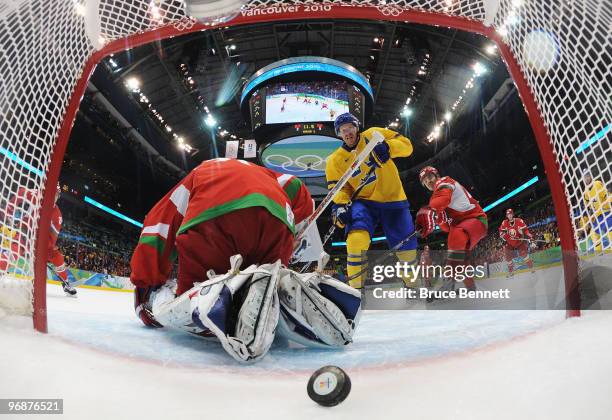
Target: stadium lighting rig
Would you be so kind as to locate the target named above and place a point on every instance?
(133, 84)
(478, 69)
(423, 68)
(406, 112)
(210, 121)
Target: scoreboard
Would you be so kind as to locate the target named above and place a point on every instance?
(301, 97)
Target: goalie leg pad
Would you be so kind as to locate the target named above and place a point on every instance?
(316, 310)
(175, 311)
(249, 337)
(258, 316)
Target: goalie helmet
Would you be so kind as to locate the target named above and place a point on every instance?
(346, 118)
(426, 171)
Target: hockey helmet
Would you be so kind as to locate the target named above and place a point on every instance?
(426, 171)
(346, 118)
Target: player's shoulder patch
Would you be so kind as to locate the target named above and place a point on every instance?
(445, 182)
(283, 179)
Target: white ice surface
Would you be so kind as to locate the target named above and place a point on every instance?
(298, 111)
(403, 364)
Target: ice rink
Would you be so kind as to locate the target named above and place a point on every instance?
(296, 110)
(104, 363)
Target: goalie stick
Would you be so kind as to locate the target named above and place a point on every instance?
(376, 139)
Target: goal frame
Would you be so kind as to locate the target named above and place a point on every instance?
(334, 11)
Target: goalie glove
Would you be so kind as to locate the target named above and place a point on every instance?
(425, 221)
(317, 310)
(142, 306)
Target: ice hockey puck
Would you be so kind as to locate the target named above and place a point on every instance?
(329, 386)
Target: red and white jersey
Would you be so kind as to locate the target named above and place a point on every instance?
(514, 232)
(212, 189)
(451, 197)
(20, 208)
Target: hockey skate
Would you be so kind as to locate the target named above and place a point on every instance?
(68, 289)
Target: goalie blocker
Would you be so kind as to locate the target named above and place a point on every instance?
(244, 309)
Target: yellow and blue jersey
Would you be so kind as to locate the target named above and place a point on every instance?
(384, 186)
(596, 199)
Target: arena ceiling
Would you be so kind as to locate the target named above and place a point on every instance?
(185, 78)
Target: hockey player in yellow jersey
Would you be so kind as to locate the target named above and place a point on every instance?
(381, 199)
(597, 217)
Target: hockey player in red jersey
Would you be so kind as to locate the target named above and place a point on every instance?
(516, 236)
(222, 208)
(56, 258)
(455, 211)
(226, 212)
(20, 208)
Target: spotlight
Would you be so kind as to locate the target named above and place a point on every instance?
(210, 121)
(491, 49)
(479, 69)
(132, 84)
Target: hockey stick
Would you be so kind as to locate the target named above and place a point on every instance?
(530, 240)
(376, 139)
(332, 229)
(384, 256)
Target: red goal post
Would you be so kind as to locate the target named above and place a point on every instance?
(51, 49)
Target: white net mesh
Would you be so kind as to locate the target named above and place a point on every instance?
(563, 50)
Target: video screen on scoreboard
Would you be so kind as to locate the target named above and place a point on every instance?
(290, 102)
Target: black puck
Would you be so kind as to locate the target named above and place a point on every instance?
(329, 386)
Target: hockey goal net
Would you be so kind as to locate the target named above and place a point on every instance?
(557, 52)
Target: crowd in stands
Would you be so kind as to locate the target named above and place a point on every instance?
(96, 248)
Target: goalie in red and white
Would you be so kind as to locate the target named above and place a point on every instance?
(516, 236)
(455, 211)
(20, 208)
(224, 213)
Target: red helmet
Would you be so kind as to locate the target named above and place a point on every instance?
(426, 171)
(509, 211)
